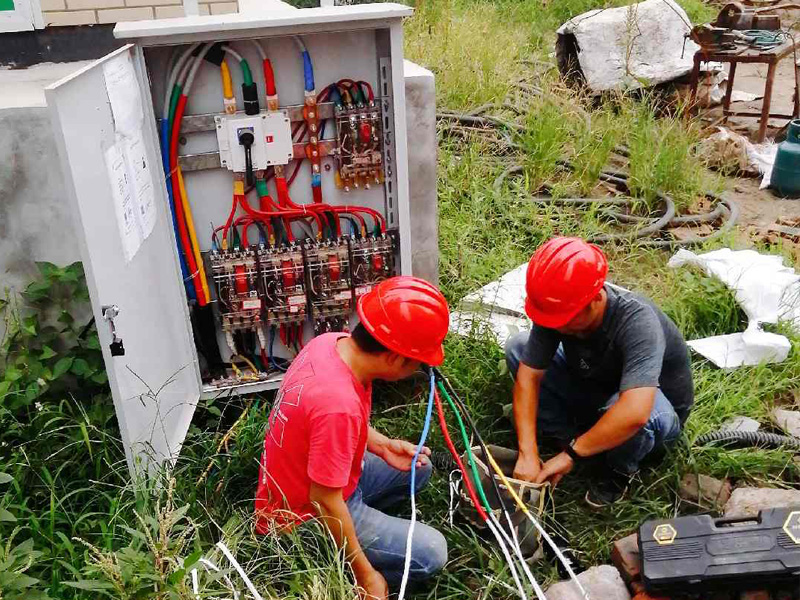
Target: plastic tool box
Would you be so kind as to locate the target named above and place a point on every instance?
(697, 553)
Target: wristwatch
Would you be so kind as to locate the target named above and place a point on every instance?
(570, 449)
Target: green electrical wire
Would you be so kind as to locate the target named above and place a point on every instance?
(173, 104)
(261, 187)
(247, 74)
(465, 437)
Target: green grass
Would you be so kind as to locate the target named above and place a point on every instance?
(69, 475)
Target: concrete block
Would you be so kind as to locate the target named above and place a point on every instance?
(75, 17)
(625, 556)
(204, 9)
(222, 8)
(705, 491)
(741, 424)
(787, 420)
(169, 12)
(747, 502)
(603, 582)
(50, 5)
(420, 87)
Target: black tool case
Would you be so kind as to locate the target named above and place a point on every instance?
(698, 553)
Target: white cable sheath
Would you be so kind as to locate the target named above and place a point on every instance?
(509, 560)
(173, 77)
(240, 570)
(515, 545)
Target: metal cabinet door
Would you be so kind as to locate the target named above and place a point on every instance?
(156, 383)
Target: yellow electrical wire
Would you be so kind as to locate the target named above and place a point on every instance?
(246, 361)
(227, 83)
(187, 211)
(507, 483)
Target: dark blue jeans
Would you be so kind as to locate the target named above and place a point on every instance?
(382, 537)
(569, 407)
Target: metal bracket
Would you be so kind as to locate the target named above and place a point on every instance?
(387, 125)
(110, 312)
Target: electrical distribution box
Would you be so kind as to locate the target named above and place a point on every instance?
(240, 181)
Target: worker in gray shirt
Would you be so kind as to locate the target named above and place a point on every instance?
(603, 372)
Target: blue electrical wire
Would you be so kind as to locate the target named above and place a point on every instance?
(187, 282)
(425, 428)
(308, 71)
(272, 356)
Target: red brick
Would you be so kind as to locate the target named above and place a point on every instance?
(625, 556)
(646, 596)
(754, 595)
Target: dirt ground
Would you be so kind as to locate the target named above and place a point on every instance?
(761, 208)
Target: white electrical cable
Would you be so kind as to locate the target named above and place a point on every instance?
(409, 540)
(300, 43)
(173, 77)
(240, 570)
(558, 554)
(233, 53)
(515, 546)
(212, 567)
(261, 52)
(509, 560)
(195, 67)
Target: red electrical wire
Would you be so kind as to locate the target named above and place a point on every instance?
(176, 192)
(269, 78)
(450, 446)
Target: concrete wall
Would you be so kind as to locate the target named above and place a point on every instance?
(36, 223)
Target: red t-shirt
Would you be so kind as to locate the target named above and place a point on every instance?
(317, 432)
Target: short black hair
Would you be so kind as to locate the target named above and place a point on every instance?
(365, 341)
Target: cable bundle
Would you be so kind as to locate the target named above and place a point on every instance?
(509, 543)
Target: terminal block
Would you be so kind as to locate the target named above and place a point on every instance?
(360, 143)
(371, 260)
(283, 284)
(236, 278)
(329, 285)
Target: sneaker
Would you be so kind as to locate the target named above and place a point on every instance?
(608, 490)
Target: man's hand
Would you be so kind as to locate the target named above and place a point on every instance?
(373, 586)
(555, 468)
(527, 468)
(398, 454)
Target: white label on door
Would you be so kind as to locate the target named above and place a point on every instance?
(123, 93)
(142, 175)
(124, 204)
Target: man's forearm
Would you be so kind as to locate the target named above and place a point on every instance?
(335, 514)
(525, 407)
(376, 441)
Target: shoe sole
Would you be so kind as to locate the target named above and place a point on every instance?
(598, 506)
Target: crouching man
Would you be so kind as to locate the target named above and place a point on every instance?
(321, 457)
(604, 373)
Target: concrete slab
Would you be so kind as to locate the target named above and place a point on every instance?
(25, 87)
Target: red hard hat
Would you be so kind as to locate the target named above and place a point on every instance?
(407, 315)
(564, 274)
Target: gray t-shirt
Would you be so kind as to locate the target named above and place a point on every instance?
(636, 345)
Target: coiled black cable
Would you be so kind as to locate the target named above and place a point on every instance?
(750, 438)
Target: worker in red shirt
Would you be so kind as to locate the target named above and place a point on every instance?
(321, 457)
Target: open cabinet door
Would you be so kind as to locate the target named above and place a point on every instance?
(109, 153)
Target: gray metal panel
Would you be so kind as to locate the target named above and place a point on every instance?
(156, 384)
(258, 24)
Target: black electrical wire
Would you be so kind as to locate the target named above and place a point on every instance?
(750, 438)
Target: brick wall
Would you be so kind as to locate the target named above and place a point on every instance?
(91, 12)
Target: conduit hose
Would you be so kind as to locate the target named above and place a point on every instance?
(750, 438)
(724, 208)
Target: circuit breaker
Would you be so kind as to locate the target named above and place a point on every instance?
(242, 181)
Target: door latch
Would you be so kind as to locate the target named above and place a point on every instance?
(110, 312)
